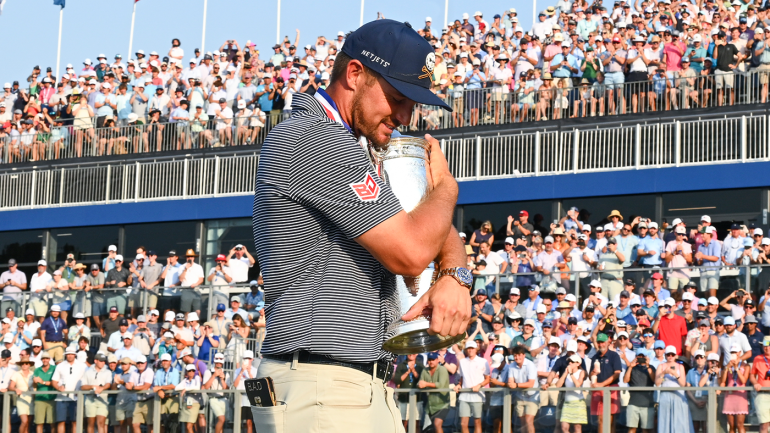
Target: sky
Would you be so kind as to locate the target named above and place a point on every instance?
(29, 28)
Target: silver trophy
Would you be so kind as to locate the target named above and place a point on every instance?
(405, 168)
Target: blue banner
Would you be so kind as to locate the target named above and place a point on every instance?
(59, 3)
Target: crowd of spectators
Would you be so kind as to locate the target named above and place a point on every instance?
(85, 329)
(576, 60)
(560, 307)
(556, 307)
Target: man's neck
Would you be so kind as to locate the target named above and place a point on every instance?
(343, 98)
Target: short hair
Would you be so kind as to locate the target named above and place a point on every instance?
(519, 350)
(341, 67)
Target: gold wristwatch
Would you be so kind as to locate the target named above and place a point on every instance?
(462, 275)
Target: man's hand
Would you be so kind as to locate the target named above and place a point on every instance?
(439, 168)
(447, 304)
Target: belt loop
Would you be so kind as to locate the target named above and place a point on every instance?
(374, 371)
(295, 360)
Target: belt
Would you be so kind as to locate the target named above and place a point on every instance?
(384, 368)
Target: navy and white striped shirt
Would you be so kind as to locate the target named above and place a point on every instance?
(340, 300)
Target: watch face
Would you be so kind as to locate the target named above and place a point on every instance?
(465, 276)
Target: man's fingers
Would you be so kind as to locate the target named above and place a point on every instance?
(416, 310)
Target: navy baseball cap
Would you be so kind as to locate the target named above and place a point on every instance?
(403, 58)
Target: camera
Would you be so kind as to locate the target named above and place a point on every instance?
(522, 255)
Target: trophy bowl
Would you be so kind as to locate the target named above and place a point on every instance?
(405, 168)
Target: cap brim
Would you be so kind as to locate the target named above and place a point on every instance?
(417, 93)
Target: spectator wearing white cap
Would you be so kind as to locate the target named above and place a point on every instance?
(678, 255)
(240, 260)
(673, 412)
(583, 259)
(109, 261)
(165, 380)
(733, 338)
(144, 338)
(545, 363)
(596, 298)
(128, 350)
(735, 374)
(79, 329)
(140, 382)
(118, 278)
(53, 331)
(474, 373)
(13, 282)
(247, 370)
(9, 343)
(67, 378)
(522, 375)
(38, 289)
(549, 261)
(217, 379)
(27, 329)
(125, 400)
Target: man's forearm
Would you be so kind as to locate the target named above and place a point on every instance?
(452, 253)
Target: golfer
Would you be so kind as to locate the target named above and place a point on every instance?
(331, 237)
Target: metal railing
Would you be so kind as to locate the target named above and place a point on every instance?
(70, 141)
(731, 278)
(568, 98)
(233, 396)
(133, 182)
(509, 418)
(640, 146)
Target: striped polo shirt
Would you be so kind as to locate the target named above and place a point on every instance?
(316, 191)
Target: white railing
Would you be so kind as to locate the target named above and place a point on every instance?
(540, 153)
(677, 143)
(129, 182)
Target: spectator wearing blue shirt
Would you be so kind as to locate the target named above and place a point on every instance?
(591, 243)
(563, 65)
(166, 379)
(709, 256)
(266, 94)
(697, 54)
(483, 309)
(627, 243)
(732, 246)
(207, 341)
(254, 300)
(104, 103)
(474, 80)
(109, 261)
(651, 249)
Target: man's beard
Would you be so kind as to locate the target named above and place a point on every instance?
(367, 127)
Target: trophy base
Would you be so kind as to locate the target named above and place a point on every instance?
(412, 337)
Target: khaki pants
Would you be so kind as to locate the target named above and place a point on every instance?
(325, 398)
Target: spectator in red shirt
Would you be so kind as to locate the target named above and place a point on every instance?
(671, 328)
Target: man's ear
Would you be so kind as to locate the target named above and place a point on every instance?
(354, 74)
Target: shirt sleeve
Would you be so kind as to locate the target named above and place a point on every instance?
(330, 172)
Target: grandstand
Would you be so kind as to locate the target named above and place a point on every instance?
(597, 131)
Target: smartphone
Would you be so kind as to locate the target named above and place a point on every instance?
(260, 392)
